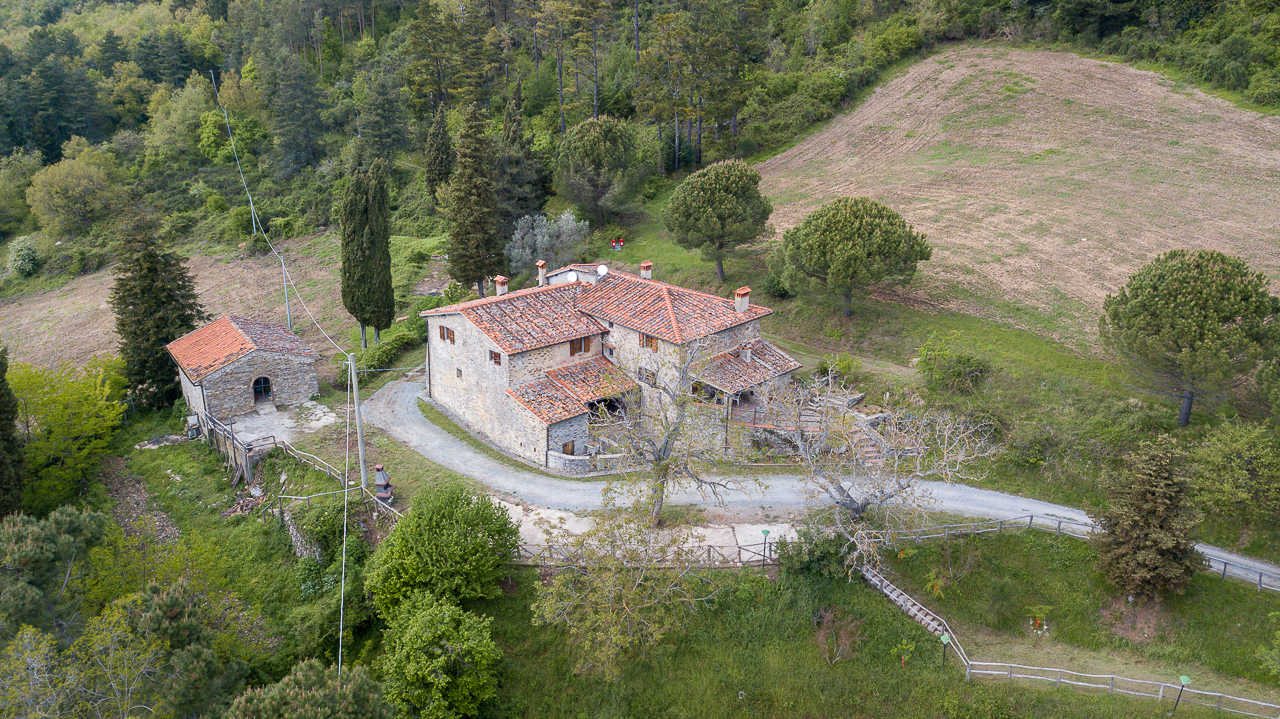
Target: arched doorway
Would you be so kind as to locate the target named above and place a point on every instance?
(261, 389)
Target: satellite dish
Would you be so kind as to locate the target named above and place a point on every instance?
(602, 270)
(572, 277)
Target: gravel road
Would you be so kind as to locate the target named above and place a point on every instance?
(394, 409)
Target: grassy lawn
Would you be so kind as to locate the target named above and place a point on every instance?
(993, 583)
(756, 655)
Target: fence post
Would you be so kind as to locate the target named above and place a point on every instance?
(1059, 682)
(1161, 697)
(946, 533)
(1030, 518)
(967, 669)
(1059, 527)
(1224, 569)
(1000, 527)
(1010, 672)
(1113, 684)
(1259, 581)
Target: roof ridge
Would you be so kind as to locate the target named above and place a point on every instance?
(480, 301)
(231, 320)
(671, 316)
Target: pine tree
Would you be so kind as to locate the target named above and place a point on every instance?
(718, 209)
(366, 250)
(475, 250)
(110, 51)
(1146, 547)
(381, 116)
(155, 302)
(295, 105)
(10, 450)
(1191, 324)
(437, 162)
(521, 181)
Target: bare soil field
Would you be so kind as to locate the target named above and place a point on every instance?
(1044, 179)
(73, 323)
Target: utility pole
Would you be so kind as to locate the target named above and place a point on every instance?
(355, 388)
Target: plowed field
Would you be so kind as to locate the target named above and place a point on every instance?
(1044, 179)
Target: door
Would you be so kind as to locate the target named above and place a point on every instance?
(261, 389)
(566, 448)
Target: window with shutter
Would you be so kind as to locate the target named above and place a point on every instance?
(495, 357)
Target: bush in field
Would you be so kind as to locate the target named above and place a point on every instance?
(24, 261)
(1238, 471)
(454, 543)
(944, 370)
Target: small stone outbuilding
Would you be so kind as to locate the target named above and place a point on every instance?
(231, 364)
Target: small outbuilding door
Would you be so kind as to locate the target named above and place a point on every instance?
(261, 389)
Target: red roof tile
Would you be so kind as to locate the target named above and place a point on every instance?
(675, 314)
(527, 319)
(546, 399)
(592, 380)
(227, 339)
(730, 373)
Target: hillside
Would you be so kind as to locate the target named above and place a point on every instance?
(73, 323)
(1044, 179)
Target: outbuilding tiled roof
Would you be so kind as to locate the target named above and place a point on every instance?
(730, 373)
(675, 314)
(527, 319)
(548, 400)
(592, 380)
(201, 352)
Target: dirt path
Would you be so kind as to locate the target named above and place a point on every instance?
(1043, 178)
(133, 509)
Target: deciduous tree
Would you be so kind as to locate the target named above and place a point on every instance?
(70, 196)
(454, 543)
(155, 302)
(1237, 471)
(475, 249)
(717, 209)
(555, 240)
(619, 588)
(1146, 547)
(438, 661)
(1191, 324)
(849, 243)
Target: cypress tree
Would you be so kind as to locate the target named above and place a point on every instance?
(437, 161)
(475, 250)
(10, 450)
(155, 301)
(366, 250)
(522, 183)
(1146, 547)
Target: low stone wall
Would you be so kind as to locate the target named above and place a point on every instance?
(301, 545)
(583, 465)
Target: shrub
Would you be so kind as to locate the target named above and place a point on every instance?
(215, 204)
(1264, 88)
(313, 690)
(321, 523)
(454, 543)
(946, 371)
(815, 551)
(24, 261)
(381, 356)
(844, 368)
(774, 287)
(438, 661)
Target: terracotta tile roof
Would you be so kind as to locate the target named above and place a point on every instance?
(730, 373)
(548, 400)
(227, 339)
(527, 319)
(675, 314)
(592, 380)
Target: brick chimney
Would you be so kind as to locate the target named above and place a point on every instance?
(542, 272)
(744, 353)
(741, 299)
(500, 283)
(646, 270)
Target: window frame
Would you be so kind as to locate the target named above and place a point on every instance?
(648, 342)
(495, 357)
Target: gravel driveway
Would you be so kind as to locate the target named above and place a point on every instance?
(394, 409)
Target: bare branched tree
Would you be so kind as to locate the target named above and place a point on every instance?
(675, 441)
(864, 464)
(620, 587)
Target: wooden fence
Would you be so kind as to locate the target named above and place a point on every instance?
(760, 554)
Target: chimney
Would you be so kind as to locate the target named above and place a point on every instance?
(500, 283)
(646, 270)
(741, 299)
(744, 353)
(542, 272)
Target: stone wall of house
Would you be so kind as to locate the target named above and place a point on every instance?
(734, 336)
(573, 430)
(631, 357)
(229, 391)
(464, 381)
(571, 465)
(191, 393)
(530, 366)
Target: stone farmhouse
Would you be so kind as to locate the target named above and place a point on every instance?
(526, 369)
(233, 363)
